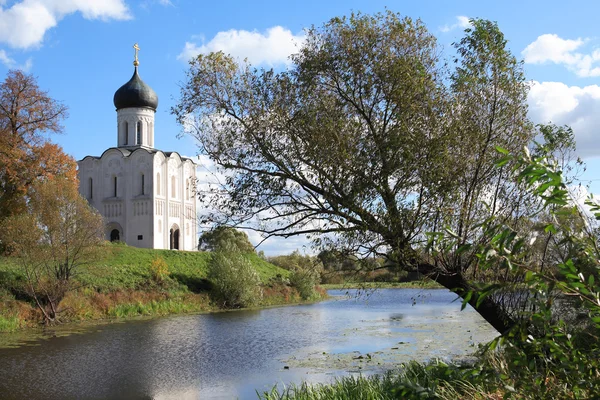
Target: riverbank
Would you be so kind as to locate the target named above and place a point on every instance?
(128, 282)
(422, 284)
(233, 354)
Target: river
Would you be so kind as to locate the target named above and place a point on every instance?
(232, 354)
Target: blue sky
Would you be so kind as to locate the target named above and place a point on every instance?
(81, 52)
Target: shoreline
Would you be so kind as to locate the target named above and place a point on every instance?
(382, 285)
(29, 334)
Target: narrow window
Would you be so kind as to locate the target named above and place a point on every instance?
(173, 187)
(138, 137)
(142, 183)
(126, 133)
(158, 183)
(115, 186)
(91, 188)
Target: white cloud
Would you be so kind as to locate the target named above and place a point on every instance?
(6, 60)
(552, 48)
(578, 107)
(462, 22)
(272, 47)
(10, 62)
(24, 24)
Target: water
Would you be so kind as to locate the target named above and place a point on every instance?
(232, 354)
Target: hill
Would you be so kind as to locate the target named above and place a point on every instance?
(122, 283)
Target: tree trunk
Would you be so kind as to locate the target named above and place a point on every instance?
(489, 310)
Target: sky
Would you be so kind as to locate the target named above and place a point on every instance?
(81, 53)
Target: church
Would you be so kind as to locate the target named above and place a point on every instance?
(145, 195)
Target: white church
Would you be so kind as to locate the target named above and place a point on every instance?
(144, 194)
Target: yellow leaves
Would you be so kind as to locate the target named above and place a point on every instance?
(26, 156)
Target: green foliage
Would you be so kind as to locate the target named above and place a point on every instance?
(305, 272)
(413, 380)
(235, 281)
(304, 280)
(9, 324)
(224, 237)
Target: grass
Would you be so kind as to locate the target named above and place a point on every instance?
(9, 324)
(412, 381)
(121, 284)
(124, 267)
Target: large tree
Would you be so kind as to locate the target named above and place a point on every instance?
(27, 115)
(368, 136)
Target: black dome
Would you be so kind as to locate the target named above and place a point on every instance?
(135, 93)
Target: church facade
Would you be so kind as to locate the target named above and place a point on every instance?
(145, 195)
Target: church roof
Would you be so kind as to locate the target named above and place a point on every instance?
(135, 93)
(126, 153)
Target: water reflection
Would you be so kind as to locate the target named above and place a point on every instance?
(232, 354)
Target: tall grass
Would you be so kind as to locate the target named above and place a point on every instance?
(412, 381)
(9, 324)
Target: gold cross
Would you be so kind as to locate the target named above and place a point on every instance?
(136, 49)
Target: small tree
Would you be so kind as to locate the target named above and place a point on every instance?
(52, 241)
(225, 237)
(306, 271)
(235, 282)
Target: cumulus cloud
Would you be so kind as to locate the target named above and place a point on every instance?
(578, 107)
(273, 47)
(24, 24)
(550, 48)
(462, 22)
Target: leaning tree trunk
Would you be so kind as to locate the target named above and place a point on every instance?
(493, 312)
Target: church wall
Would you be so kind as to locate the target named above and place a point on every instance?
(127, 210)
(160, 205)
(140, 205)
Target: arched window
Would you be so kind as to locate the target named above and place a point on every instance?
(173, 192)
(158, 183)
(142, 184)
(138, 136)
(91, 181)
(126, 130)
(115, 186)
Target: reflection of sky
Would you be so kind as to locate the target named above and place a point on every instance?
(231, 354)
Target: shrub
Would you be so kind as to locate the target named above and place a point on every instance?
(225, 238)
(235, 281)
(304, 280)
(159, 270)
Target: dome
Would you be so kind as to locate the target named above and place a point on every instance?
(135, 93)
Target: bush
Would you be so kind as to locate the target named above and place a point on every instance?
(159, 270)
(235, 281)
(304, 280)
(225, 238)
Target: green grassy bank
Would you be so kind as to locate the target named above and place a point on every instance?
(122, 283)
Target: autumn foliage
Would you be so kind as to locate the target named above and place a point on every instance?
(59, 233)
(27, 116)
